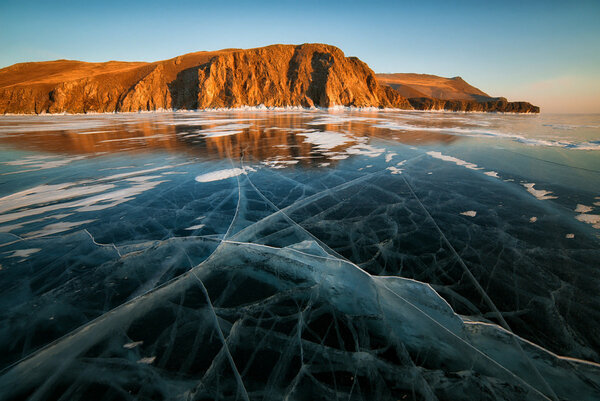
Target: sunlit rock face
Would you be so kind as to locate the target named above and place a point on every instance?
(307, 75)
(299, 255)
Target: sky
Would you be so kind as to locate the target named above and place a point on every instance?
(545, 52)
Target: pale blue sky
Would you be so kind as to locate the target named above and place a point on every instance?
(542, 51)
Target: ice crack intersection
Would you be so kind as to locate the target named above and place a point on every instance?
(481, 291)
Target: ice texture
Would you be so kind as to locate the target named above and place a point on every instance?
(276, 264)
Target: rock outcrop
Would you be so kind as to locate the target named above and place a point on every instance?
(274, 76)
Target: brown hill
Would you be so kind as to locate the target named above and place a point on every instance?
(278, 75)
(430, 92)
(425, 85)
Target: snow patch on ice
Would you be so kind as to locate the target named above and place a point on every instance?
(279, 163)
(540, 194)
(325, 140)
(24, 253)
(469, 213)
(56, 228)
(196, 227)
(35, 163)
(365, 150)
(221, 174)
(593, 219)
(583, 208)
(455, 160)
(132, 344)
(42, 198)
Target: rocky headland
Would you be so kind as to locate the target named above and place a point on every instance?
(308, 75)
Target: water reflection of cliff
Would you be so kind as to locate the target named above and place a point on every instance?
(257, 136)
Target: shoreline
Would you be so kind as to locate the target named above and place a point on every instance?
(262, 108)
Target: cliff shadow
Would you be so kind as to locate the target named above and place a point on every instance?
(293, 70)
(321, 64)
(184, 89)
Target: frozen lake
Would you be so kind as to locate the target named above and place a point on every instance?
(301, 255)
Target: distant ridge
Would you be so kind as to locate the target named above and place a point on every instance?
(431, 92)
(305, 75)
(425, 85)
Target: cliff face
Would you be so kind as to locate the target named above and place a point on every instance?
(306, 75)
(279, 75)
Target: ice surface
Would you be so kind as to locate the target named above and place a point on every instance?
(312, 255)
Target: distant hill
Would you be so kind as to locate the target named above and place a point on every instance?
(431, 92)
(425, 85)
(279, 75)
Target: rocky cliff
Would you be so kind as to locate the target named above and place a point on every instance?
(280, 75)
